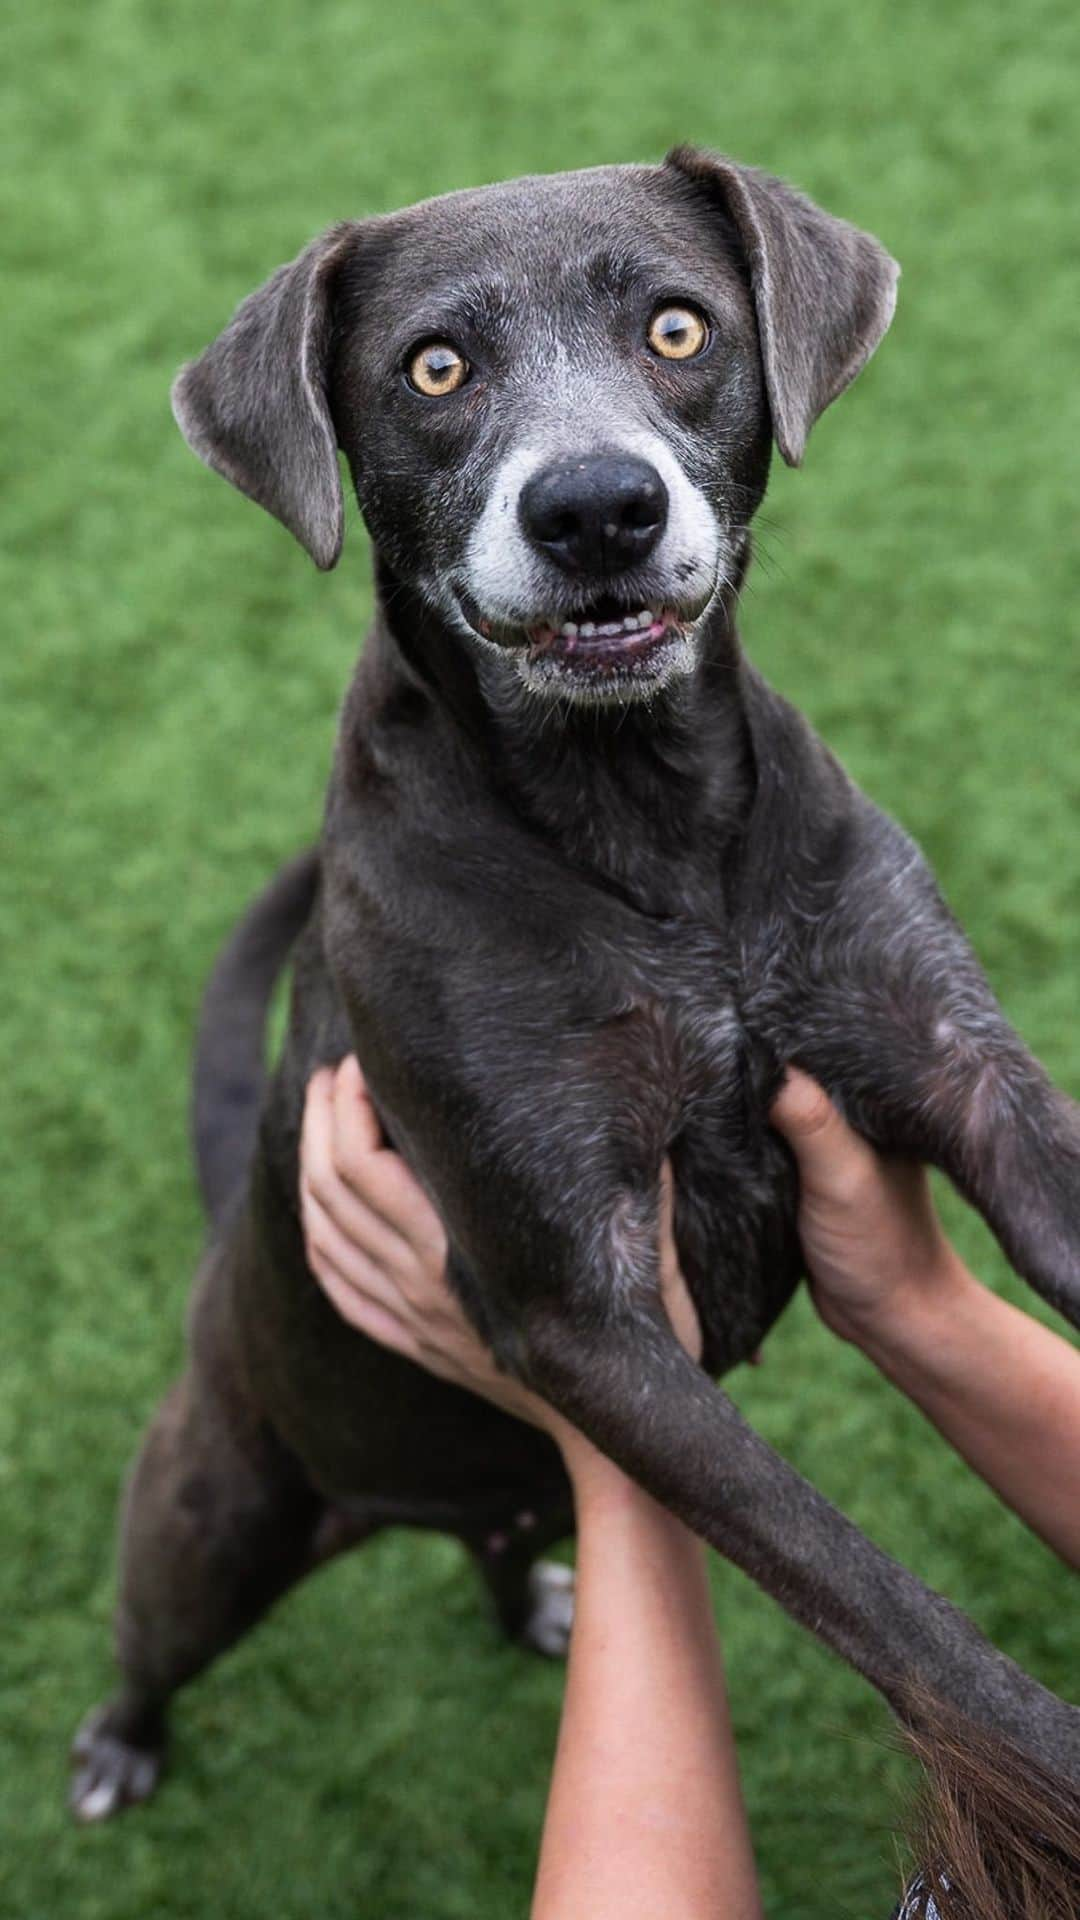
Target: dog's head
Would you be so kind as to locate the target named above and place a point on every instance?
(556, 397)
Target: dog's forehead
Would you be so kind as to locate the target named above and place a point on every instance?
(533, 231)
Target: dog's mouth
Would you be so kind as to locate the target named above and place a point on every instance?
(608, 632)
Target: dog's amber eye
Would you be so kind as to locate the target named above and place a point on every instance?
(437, 368)
(677, 333)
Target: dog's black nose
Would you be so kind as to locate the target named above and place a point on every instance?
(597, 515)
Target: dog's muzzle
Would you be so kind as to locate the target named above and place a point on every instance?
(592, 571)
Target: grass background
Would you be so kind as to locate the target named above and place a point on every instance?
(168, 688)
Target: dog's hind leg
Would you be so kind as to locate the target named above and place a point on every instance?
(218, 1521)
(533, 1598)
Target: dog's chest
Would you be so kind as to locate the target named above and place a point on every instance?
(705, 1076)
(680, 977)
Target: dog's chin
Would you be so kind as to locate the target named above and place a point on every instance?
(608, 653)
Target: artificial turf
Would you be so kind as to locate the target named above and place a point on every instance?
(169, 683)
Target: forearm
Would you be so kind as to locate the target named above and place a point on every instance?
(645, 1815)
(1001, 1388)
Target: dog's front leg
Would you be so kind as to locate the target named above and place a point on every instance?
(896, 1018)
(563, 1271)
(627, 1384)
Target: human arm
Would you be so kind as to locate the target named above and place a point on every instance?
(645, 1816)
(1000, 1387)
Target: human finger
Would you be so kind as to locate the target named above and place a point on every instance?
(380, 1179)
(356, 1122)
(324, 1236)
(340, 1136)
(673, 1288)
(317, 1122)
(361, 1312)
(833, 1160)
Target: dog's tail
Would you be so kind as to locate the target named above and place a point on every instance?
(996, 1834)
(229, 1077)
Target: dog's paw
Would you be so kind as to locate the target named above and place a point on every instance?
(109, 1771)
(551, 1612)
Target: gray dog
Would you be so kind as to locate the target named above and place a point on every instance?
(585, 884)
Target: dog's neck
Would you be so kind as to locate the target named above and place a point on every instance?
(646, 795)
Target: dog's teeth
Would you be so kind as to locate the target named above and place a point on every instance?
(630, 623)
(570, 630)
(609, 629)
(588, 630)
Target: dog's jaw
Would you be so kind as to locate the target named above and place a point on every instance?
(596, 662)
(669, 653)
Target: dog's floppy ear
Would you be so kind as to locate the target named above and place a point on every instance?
(823, 291)
(254, 405)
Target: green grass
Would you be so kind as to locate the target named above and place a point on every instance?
(168, 688)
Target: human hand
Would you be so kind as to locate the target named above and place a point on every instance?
(869, 1229)
(378, 1249)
